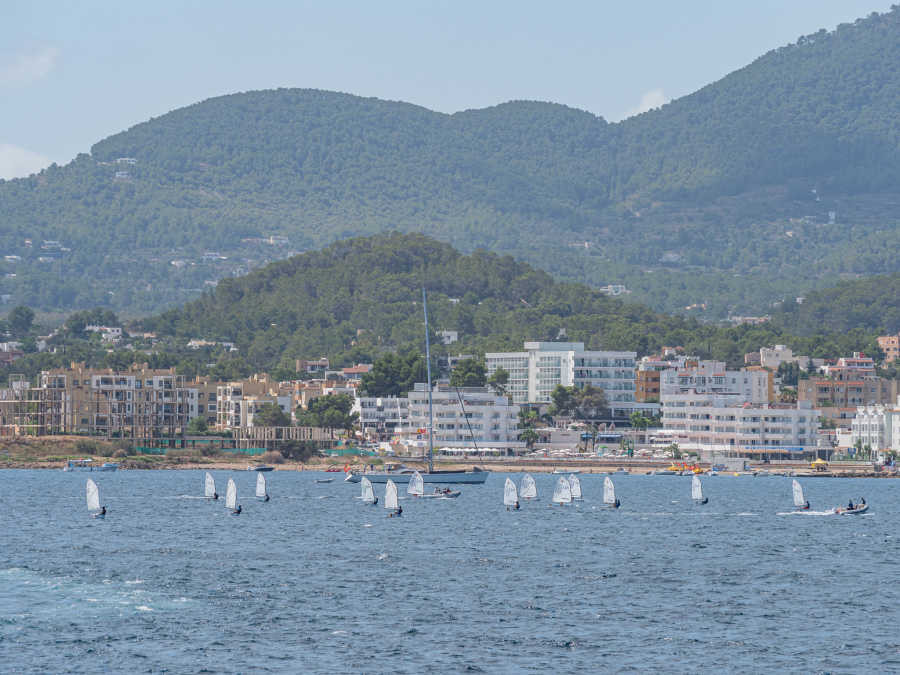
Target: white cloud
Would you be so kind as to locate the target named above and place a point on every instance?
(16, 162)
(29, 67)
(650, 100)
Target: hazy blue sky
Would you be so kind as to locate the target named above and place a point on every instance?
(72, 73)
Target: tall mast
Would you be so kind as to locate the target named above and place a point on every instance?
(430, 403)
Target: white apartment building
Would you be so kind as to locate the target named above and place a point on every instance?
(709, 423)
(381, 417)
(466, 416)
(535, 372)
(877, 426)
(711, 377)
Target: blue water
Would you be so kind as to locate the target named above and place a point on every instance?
(316, 581)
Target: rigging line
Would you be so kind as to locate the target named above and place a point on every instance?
(466, 417)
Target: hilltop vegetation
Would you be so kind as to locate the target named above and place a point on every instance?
(873, 302)
(720, 200)
(359, 298)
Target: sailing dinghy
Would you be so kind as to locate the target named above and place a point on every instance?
(799, 500)
(527, 488)
(231, 497)
(697, 491)
(261, 492)
(510, 495)
(563, 492)
(416, 485)
(575, 487)
(93, 500)
(209, 488)
(609, 494)
(368, 494)
(390, 498)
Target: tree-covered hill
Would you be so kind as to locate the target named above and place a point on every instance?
(362, 296)
(719, 201)
(872, 303)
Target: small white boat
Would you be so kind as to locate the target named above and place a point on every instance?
(558, 471)
(261, 492)
(697, 491)
(416, 486)
(260, 467)
(527, 488)
(563, 492)
(575, 487)
(799, 500)
(368, 494)
(510, 494)
(390, 496)
(93, 499)
(209, 487)
(609, 494)
(324, 480)
(231, 496)
(844, 511)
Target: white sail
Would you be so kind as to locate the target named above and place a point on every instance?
(368, 494)
(416, 485)
(231, 495)
(210, 488)
(575, 486)
(798, 494)
(609, 491)
(260, 485)
(390, 495)
(527, 488)
(93, 496)
(563, 492)
(696, 489)
(510, 495)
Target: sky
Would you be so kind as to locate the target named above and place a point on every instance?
(72, 74)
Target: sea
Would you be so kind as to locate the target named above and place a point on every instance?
(316, 581)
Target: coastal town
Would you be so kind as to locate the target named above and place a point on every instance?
(551, 400)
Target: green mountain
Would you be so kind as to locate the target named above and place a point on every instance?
(362, 296)
(873, 303)
(776, 179)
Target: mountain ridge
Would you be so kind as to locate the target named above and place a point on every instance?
(752, 175)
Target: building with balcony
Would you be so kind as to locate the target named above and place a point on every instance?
(535, 372)
(464, 417)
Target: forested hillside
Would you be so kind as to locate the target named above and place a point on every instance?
(360, 297)
(720, 201)
(873, 303)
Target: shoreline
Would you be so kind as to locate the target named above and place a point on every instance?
(506, 465)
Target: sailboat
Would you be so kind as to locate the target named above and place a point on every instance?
(474, 477)
(510, 495)
(697, 491)
(231, 497)
(563, 492)
(93, 499)
(368, 494)
(575, 487)
(799, 501)
(390, 496)
(261, 492)
(209, 489)
(527, 488)
(416, 486)
(609, 494)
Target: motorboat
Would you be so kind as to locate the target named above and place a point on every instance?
(88, 465)
(260, 467)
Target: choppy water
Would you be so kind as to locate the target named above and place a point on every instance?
(316, 581)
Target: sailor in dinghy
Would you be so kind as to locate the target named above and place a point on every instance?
(510, 495)
(609, 494)
(231, 499)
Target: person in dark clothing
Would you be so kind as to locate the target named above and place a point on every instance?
(237, 511)
(399, 510)
(267, 498)
(862, 501)
(102, 511)
(215, 495)
(806, 505)
(618, 503)
(850, 505)
(375, 502)
(517, 505)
